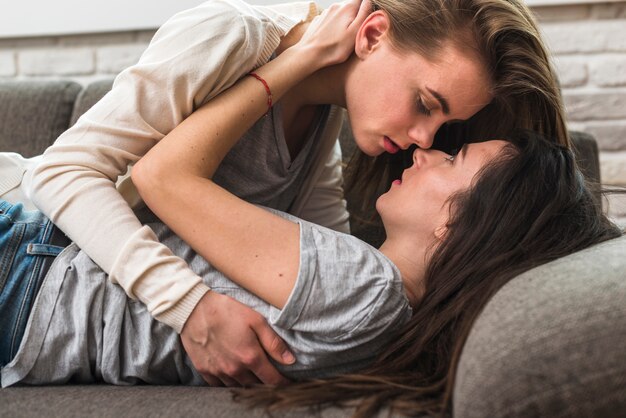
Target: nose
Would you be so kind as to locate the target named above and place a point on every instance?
(422, 134)
(419, 156)
(426, 157)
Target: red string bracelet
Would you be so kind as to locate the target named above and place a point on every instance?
(267, 89)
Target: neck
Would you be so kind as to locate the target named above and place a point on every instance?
(410, 259)
(326, 86)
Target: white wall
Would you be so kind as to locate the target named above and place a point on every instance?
(63, 17)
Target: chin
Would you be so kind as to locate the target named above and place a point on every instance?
(380, 204)
(369, 147)
(372, 151)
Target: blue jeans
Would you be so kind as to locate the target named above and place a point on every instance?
(24, 247)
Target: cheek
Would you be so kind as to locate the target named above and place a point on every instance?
(432, 192)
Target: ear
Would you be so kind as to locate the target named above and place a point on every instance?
(372, 31)
(440, 232)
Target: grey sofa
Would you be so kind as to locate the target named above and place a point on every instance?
(551, 343)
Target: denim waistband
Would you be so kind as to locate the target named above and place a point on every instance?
(30, 243)
(14, 213)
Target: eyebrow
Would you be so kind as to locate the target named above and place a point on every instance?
(443, 102)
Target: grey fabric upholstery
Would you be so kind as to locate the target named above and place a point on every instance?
(34, 114)
(89, 96)
(551, 343)
(136, 401)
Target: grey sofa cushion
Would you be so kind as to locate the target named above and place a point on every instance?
(34, 113)
(89, 96)
(137, 401)
(551, 343)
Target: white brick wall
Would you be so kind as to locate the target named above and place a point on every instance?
(7, 64)
(82, 58)
(588, 42)
(56, 61)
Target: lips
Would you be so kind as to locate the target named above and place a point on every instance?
(397, 182)
(390, 146)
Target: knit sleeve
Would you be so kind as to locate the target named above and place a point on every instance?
(193, 56)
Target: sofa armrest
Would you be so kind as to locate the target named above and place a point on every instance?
(550, 343)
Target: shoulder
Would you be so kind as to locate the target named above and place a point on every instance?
(232, 30)
(213, 19)
(346, 290)
(223, 16)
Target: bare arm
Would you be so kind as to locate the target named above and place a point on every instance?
(256, 249)
(248, 244)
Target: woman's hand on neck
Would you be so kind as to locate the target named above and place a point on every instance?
(324, 86)
(329, 41)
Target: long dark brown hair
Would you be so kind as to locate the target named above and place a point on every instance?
(505, 37)
(529, 206)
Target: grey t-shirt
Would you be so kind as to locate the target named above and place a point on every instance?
(347, 303)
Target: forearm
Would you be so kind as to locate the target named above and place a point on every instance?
(254, 248)
(96, 217)
(251, 246)
(203, 139)
(258, 250)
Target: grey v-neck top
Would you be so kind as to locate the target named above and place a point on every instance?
(348, 302)
(272, 177)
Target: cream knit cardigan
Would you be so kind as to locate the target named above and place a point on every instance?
(192, 57)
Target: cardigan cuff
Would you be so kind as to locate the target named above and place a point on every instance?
(177, 316)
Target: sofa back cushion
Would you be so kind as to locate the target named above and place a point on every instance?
(91, 94)
(551, 342)
(34, 113)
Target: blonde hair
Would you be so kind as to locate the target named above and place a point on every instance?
(507, 40)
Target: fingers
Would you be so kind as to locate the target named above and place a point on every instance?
(273, 344)
(247, 379)
(228, 381)
(211, 380)
(365, 9)
(241, 377)
(231, 353)
(267, 373)
(238, 375)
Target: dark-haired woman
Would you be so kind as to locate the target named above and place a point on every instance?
(334, 299)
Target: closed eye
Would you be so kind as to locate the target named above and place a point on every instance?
(421, 107)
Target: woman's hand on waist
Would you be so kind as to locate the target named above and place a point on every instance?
(228, 343)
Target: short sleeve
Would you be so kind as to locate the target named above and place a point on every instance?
(345, 289)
